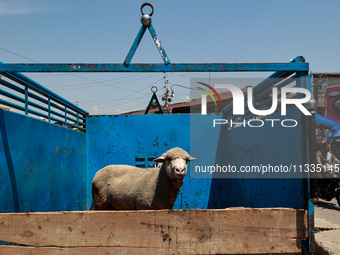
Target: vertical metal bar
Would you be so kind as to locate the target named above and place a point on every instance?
(26, 99)
(84, 122)
(305, 181)
(159, 45)
(77, 120)
(135, 45)
(312, 186)
(304, 81)
(49, 109)
(65, 116)
(308, 83)
(312, 181)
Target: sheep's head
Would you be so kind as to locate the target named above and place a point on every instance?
(175, 163)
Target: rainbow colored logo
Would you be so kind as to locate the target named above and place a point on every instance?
(208, 92)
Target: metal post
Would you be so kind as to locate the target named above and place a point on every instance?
(312, 181)
(26, 99)
(65, 116)
(312, 157)
(77, 120)
(49, 109)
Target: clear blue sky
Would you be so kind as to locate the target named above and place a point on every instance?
(191, 31)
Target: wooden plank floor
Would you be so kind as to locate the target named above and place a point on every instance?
(225, 231)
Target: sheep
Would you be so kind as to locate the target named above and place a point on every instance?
(123, 187)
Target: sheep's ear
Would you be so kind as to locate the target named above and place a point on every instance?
(191, 158)
(159, 160)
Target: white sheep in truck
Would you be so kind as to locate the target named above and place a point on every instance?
(123, 187)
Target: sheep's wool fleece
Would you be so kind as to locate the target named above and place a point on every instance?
(123, 187)
(176, 153)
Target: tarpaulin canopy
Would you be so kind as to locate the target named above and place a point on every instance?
(323, 121)
(336, 134)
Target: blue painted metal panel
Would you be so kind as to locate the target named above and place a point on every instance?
(47, 172)
(120, 139)
(172, 67)
(246, 146)
(42, 166)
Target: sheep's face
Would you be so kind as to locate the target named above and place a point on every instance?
(175, 163)
(176, 168)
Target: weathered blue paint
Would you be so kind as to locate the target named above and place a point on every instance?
(138, 40)
(42, 166)
(172, 67)
(36, 179)
(121, 139)
(47, 172)
(159, 45)
(135, 45)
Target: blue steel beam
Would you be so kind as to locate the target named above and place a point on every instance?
(159, 45)
(135, 45)
(138, 40)
(179, 67)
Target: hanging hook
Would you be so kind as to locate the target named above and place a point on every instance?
(146, 24)
(154, 89)
(146, 18)
(146, 4)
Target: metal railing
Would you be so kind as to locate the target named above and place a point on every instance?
(25, 95)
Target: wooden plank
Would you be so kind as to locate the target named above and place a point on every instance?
(15, 250)
(227, 231)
